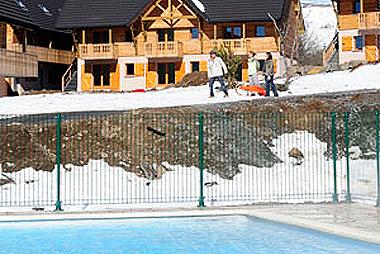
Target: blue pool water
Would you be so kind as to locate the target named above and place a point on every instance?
(232, 235)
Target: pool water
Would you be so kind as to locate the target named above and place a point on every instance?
(229, 234)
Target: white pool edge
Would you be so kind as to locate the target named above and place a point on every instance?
(339, 230)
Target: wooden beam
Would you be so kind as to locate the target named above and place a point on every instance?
(110, 35)
(361, 6)
(215, 32)
(244, 31)
(83, 36)
(201, 34)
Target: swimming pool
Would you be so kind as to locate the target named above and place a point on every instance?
(227, 234)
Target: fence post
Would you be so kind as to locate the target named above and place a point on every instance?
(58, 204)
(334, 155)
(378, 157)
(201, 159)
(347, 141)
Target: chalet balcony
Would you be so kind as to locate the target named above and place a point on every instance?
(238, 46)
(17, 64)
(164, 49)
(47, 54)
(51, 55)
(370, 20)
(243, 46)
(262, 44)
(97, 51)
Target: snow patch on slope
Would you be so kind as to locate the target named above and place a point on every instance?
(320, 23)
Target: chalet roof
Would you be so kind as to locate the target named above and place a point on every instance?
(101, 13)
(68, 14)
(36, 13)
(11, 12)
(243, 10)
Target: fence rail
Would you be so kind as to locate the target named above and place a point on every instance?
(206, 159)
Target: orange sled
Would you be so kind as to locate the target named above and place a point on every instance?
(254, 89)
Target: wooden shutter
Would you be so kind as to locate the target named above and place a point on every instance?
(347, 43)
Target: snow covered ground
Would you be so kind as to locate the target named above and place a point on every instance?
(87, 187)
(365, 77)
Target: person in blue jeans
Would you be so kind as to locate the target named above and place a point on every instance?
(269, 76)
(216, 70)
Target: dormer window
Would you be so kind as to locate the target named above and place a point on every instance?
(44, 9)
(21, 5)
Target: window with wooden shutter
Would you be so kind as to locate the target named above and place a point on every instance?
(140, 69)
(347, 43)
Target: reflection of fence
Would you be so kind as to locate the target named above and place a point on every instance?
(122, 158)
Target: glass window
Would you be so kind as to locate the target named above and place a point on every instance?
(130, 69)
(260, 31)
(21, 5)
(359, 42)
(45, 9)
(195, 66)
(194, 33)
(237, 32)
(357, 6)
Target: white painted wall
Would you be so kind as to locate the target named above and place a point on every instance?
(128, 83)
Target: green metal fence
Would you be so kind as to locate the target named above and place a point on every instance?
(203, 159)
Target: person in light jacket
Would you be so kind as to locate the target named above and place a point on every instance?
(253, 69)
(216, 70)
(269, 75)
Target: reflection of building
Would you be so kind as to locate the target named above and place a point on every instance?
(128, 45)
(359, 30)
(32, 52)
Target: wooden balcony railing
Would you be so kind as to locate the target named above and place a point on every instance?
(239, 46)
(369, 20)
(46, 54)
(243, 46)
(51, 55)
(164, 49)
(97, 51)
(124, 49)
(17, 64)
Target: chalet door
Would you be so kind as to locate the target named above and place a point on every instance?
(100, 37)
(171, 73)
(161, 72)
(166, 73)
(101, 74)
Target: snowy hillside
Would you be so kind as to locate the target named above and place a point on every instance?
(320, 23)
(365, 77)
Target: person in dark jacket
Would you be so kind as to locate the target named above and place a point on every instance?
(269, 76)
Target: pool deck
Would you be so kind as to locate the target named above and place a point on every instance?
(356, 221)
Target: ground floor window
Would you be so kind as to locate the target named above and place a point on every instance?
(359, 42)
(195, 67)
(130, 69)
(101, 74)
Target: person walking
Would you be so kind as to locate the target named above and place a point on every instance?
(269, 75)
(216, 70)
(253, 69)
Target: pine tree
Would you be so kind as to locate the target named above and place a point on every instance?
(233, 63)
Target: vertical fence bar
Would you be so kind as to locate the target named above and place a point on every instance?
(347, 143)
(201, 158)
(58, 204)
(334, 155)
(378, 157)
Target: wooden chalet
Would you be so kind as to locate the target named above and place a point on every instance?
(149, 44)
(33, 52)
(138, 44)
(359, 31)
